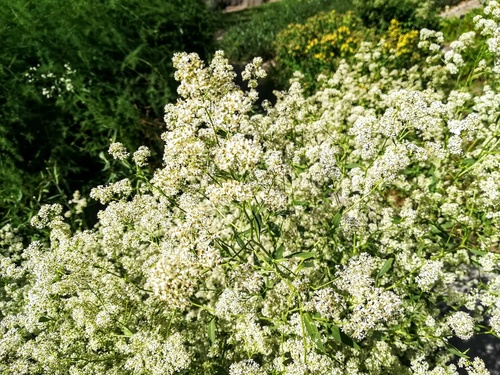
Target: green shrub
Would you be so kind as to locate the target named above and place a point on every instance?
(252, 33)
(78, 73)
(318, 45)
(414, 14)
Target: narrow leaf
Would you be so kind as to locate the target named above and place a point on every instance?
(457, 352)
(300, 203)
(278, 254)
(302, 255)
(275, 230)
(336, 333)
(127, 332)
(336, 219)
(386, 267)
(257, 219)
(239, 241)
(211, 330)
(478, 252)
(341, 337)
(468, 161)
(312, 330)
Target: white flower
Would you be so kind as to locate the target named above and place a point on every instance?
(140, 157)
(476, 367)
(246, 367)
(118, 151)
(462, 324)
(430, 273)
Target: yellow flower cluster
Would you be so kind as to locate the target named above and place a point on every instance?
(323, 37)
(317, 46)
(400, 42)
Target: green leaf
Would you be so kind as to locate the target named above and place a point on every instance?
(223, 246)
(257, 219)
(301, 167)
(477, 252)
(278, 254)
(302, 255)
(43, 319)
(397, 220)
(385, 267)
(211, 330)
(132, 58)
(468, 161)
(434, 229)
(127, 332)
(275, 230)
(342, 338)
(336, 333)
(336, 219)
(447, 225)
(300, 203)
(239, 241)
(312, 330)
(457, 352)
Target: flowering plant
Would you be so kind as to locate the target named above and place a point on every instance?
(317, 46)
(351, 232)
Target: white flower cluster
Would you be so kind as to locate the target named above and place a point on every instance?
(476, 367)
(118, 151)
(141, 155)
(246, 367)
(11, 246)
(323, 235)
(53, 85)
(106, 194)
(489, 26)
(462, 324)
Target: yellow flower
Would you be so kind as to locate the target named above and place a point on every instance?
(344, 29)
(320, 56)
(404, 41)
(394, 29)
(329, 38)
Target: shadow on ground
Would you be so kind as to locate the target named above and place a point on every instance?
(486, 347)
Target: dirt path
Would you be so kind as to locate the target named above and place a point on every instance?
(461, 9)
(245, 4)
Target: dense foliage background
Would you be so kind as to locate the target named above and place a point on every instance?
(78, 73)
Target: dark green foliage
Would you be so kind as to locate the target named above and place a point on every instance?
(441, 4)
(252, 32)
(121, 54)
(410, 13)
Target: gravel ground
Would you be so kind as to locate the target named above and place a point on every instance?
(485, 347)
